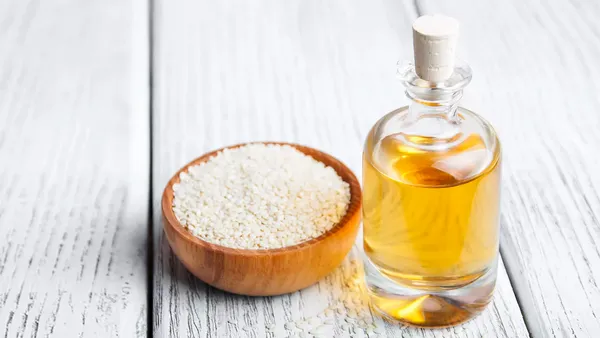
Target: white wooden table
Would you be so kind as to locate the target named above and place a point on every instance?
(99, 106)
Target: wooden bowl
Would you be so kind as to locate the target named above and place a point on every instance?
(271, 271)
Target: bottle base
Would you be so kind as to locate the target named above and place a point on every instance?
(428, 307)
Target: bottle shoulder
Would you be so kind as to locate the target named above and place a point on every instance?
(432, 150)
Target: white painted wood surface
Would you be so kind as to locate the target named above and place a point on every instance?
(315, 72)
(537, 78)
(74, 153)
(73, 168)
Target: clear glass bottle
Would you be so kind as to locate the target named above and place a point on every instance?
(431, 181)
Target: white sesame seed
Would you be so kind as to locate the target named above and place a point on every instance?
(314, 321)
(320, 330)
(260, 196)
(304, 326)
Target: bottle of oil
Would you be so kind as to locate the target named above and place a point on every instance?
(431, 179)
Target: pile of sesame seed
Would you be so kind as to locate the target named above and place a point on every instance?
(260, 196)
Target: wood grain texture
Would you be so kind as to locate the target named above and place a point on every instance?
(266, 272)
(313, 72)
(73, 168)
(537, 79)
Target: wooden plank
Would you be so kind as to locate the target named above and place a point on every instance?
(536, 79)
(319, 73)
(74, 140)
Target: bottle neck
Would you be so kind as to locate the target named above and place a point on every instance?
(433, 120)
(432, 103)
(435, 98)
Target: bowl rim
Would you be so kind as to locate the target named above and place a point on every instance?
(354, 206)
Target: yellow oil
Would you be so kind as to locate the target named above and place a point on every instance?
(430, 220)
(427, 310)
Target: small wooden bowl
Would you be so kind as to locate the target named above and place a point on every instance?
(265, 272)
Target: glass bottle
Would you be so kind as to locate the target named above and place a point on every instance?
(431, 181)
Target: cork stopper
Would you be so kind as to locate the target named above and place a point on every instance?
(434, 40)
